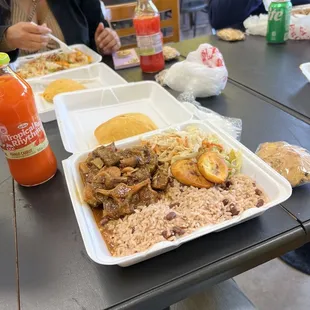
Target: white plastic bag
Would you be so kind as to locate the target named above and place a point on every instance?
(256, 25)
(299, 26)
(203, 73)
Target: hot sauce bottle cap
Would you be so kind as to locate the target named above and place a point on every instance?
(4, 59)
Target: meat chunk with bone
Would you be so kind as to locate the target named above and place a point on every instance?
(122, 195)
(108, 154)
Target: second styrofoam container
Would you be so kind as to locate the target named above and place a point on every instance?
(94, 76)
(79, 114)
(275, 186)
(96, 58)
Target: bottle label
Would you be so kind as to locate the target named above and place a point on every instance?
(150, 45)
(23, 140)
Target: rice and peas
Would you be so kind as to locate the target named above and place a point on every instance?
(183, 209)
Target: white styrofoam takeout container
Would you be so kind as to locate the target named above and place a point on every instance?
(79, 114)
(99, 74)
(83, 48)
(275, 186)
(305, 69)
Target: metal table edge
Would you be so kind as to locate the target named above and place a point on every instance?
(306, 226)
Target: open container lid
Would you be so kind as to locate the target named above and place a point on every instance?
(92, 76)
(79, 114)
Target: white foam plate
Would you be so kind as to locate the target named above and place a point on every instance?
(275, 186)
(79, 114)
(95, 76)
(305, 69)
(83, 48)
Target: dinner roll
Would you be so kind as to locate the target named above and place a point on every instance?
(123, 126)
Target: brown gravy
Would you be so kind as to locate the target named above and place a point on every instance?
(97, 212)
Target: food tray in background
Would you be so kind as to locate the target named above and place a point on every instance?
(126, 59)
(95, 76)
(303, 9)
(275, 186)
(79, 114)
(83, 48)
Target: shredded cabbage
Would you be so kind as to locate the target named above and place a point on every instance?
(173, 145)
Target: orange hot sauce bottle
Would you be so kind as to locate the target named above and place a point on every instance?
(22, 136)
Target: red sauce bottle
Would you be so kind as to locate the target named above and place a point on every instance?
(149, 36)
(22, 136)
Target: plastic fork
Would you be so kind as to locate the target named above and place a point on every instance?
(63, 46)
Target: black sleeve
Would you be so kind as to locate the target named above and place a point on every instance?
(13, 54)
(226, 13)
(2, 30)
(299, 2)
(93, 14)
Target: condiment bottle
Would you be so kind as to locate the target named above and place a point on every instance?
(149, 37)
(22, 136)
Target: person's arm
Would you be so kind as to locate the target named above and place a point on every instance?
(93, 14)
(4, 46)
(26, 36)
(102, 38)
(226, 13)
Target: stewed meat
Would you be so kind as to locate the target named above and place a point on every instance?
(139, 175)
(89, 196)
(111, 182)
(150, 159)
(121, 195)
(161, 178)
(120, 180)
(97, 162)
(129, 162)
(108, 154)
(139, 156)
(148, 196)
(109, 177)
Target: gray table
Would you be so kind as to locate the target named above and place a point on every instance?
(8, 275)
(270, 70)
(56, 273)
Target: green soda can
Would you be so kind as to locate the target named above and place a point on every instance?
(279, 15)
